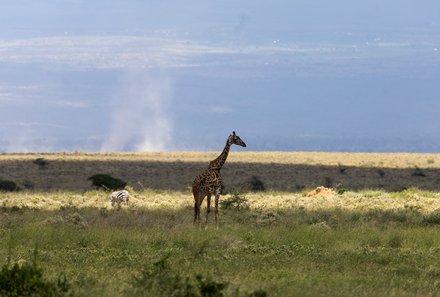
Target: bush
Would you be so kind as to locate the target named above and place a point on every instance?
(27, 280)
(342, 169)
(161, 280)
(328, 182)
(28, 185)
(210, 288)
(107, 182)
(432, 219)
(418, 172)
(381, 172)
(41, 162)
(256, 185)
(340, 189)
(8, 186)
(395, 241)
(235, 202)
(72, 219)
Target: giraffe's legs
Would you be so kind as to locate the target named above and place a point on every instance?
(208, 208)
(217, 196)
(197, 206)
(196, 211)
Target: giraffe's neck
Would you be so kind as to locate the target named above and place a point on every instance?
(218, 162)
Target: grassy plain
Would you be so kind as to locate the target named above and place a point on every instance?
(378, 237)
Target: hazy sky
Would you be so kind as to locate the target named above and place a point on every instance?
(109, 75)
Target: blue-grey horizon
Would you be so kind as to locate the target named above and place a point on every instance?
(168, 76)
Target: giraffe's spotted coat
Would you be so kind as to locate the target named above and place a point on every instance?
(209, 182)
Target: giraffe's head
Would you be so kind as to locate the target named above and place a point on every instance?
(235, 139)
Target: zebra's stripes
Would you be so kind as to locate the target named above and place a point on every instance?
(118, 197)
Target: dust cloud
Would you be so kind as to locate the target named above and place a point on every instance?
(140, 120)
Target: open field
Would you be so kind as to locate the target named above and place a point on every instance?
(291, 172)
(377, 237)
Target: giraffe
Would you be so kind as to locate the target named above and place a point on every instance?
(209, 181)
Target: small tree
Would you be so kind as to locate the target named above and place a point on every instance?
(8, 186)
(28, 280)
(235, 202)
(107, 182)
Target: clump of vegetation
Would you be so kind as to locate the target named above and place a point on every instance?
(342, 169)
(28, 185)
(41, 162)
(161, 280)
(258, 293)
(418, 172)
(323, 218)
(72, 219)
(256, 184)
(432, 219)
(8, 186)
(328, 182)
(236, 201)
(107, 182)
(395, 241)
(209, 287)
(299, 187)
(266, 218)
(27, 280)
(340, 189)
(381, 172)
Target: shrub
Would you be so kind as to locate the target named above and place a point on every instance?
(107, 182)
(161, 280)
(27, 280)
(28, 185)
(418, 172)
(235, 202)
(395, 241)
(342, 169)
(72, 219)
(41, 162)
(210, 288)
(341, 190)
(328, 182)
(252, 184)
(256, 185)
(381, 172)
(8, 186)
(266, 218)
(432, 219)
(258, 293)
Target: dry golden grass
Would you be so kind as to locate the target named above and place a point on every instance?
(94, 199)
(422, 201)
(425, 202)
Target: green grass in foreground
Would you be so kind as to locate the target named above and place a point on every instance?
(283, 252)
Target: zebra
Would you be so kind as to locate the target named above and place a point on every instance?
(118, 197)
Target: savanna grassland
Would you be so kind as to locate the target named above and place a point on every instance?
(373, 231)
